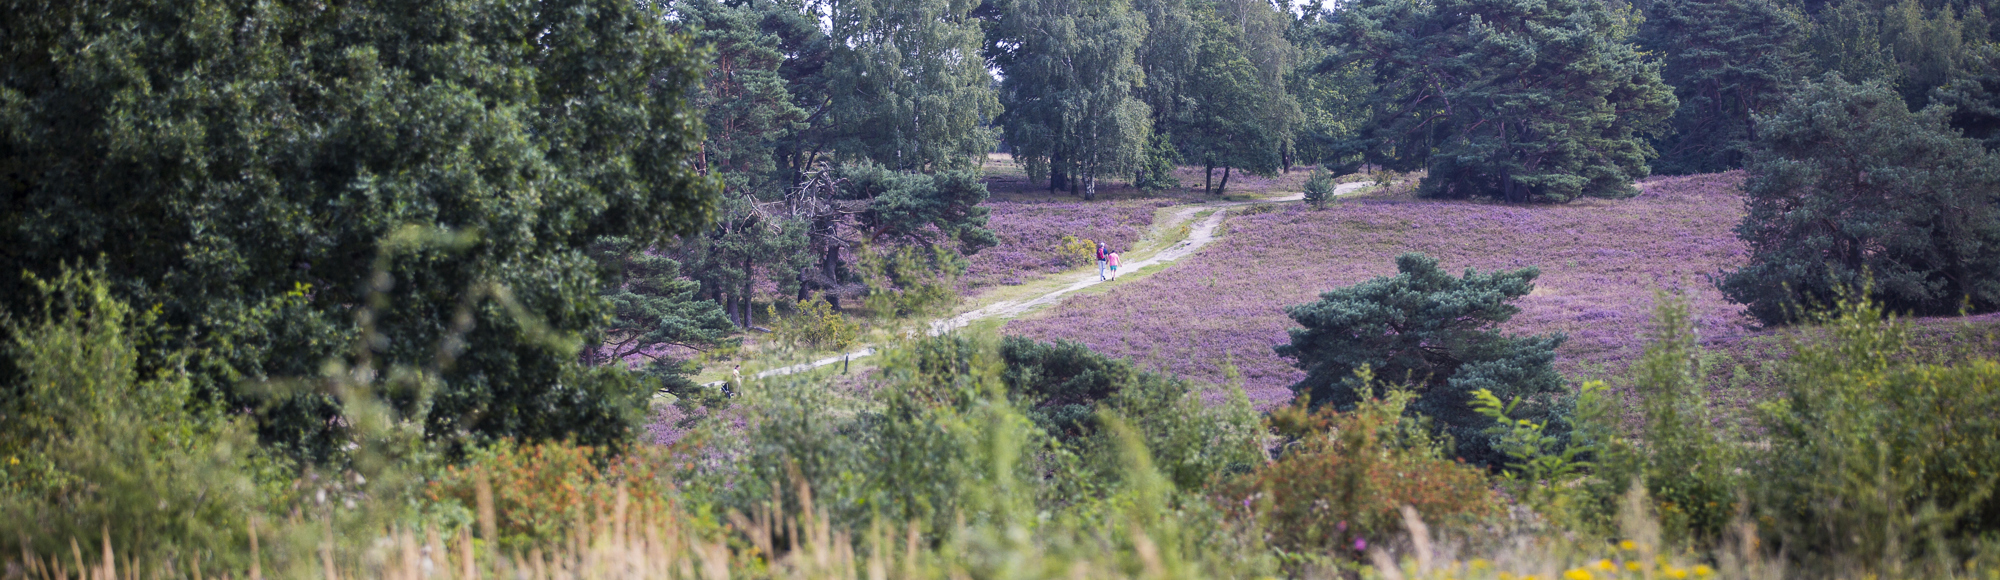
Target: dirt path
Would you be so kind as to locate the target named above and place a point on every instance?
(1198, 237)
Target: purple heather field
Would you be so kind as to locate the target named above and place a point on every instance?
(1600, 263)
(1031, 231)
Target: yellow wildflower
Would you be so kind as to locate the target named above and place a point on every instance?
(1677, 573)
(1627, 545)
(1703, 570)
(1576, 574)
(1606, 565)
(1633, 566)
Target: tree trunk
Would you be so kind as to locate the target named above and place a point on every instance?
(748, 280)
(1208, 178)
(831, 269)
(1089, 186)
(729, 308)
(1224, 186)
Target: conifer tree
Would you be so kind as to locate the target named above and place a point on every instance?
(1726, 59)
(1851, 190)
(1429, 330)
(1524, 101)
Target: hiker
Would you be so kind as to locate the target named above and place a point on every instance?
(1100, 261)
(1113, 258)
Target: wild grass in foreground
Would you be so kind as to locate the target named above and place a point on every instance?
(970, 456)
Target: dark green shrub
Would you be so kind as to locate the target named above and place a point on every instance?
(1846, 183)
(1427, 328)
(1194, 435)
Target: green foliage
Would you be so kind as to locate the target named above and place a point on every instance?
(1337, 486)
(1725, 60)
(219, 154)
(930, 210)
(1430, 329)
(908, 283)
(931, 445)
(903, 88)
(1875, 458)
(813, 325)
(1069, 77)
(1909, 45)
(1069, 391)
(1221, 68)
(1848, 184)
(94, 443)
(1689, 458)
(653, 309)
(744, 99)
(1540, 467)
(1319, 187)
(1519, 101)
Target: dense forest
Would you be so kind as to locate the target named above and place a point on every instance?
(402, 288)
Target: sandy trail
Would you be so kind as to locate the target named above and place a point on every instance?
(1198, 237)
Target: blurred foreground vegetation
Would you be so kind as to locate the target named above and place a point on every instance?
(967, 456)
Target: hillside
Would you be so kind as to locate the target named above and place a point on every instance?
(1600, 261)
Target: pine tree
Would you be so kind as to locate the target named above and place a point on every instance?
(1424, 328)
(1521, 101)
(1726, 59)
(1850, 190)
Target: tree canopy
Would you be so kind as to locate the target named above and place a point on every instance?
(1522, 101)
(238, 165)
(1850, 190)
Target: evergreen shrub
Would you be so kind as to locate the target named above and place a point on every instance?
(1427, 328)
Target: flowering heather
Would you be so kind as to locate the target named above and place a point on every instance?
(1031, 232)
(1600, 263)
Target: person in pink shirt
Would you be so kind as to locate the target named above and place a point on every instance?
(1113, 259)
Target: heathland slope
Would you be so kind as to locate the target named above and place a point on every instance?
(1601, 262)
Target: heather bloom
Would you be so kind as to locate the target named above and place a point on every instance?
(1031, 236)
(1600, 261)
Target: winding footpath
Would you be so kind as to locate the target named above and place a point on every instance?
(1198, 237)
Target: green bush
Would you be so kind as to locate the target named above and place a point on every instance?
(1427, 328)
(94, 444)
(813, 325)
(1337, 487)
(1319, 187)
(1876, 460)
(1067, 390)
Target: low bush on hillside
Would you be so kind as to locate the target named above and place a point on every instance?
(536, 491)
(1340, 482)
(1425, 327)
